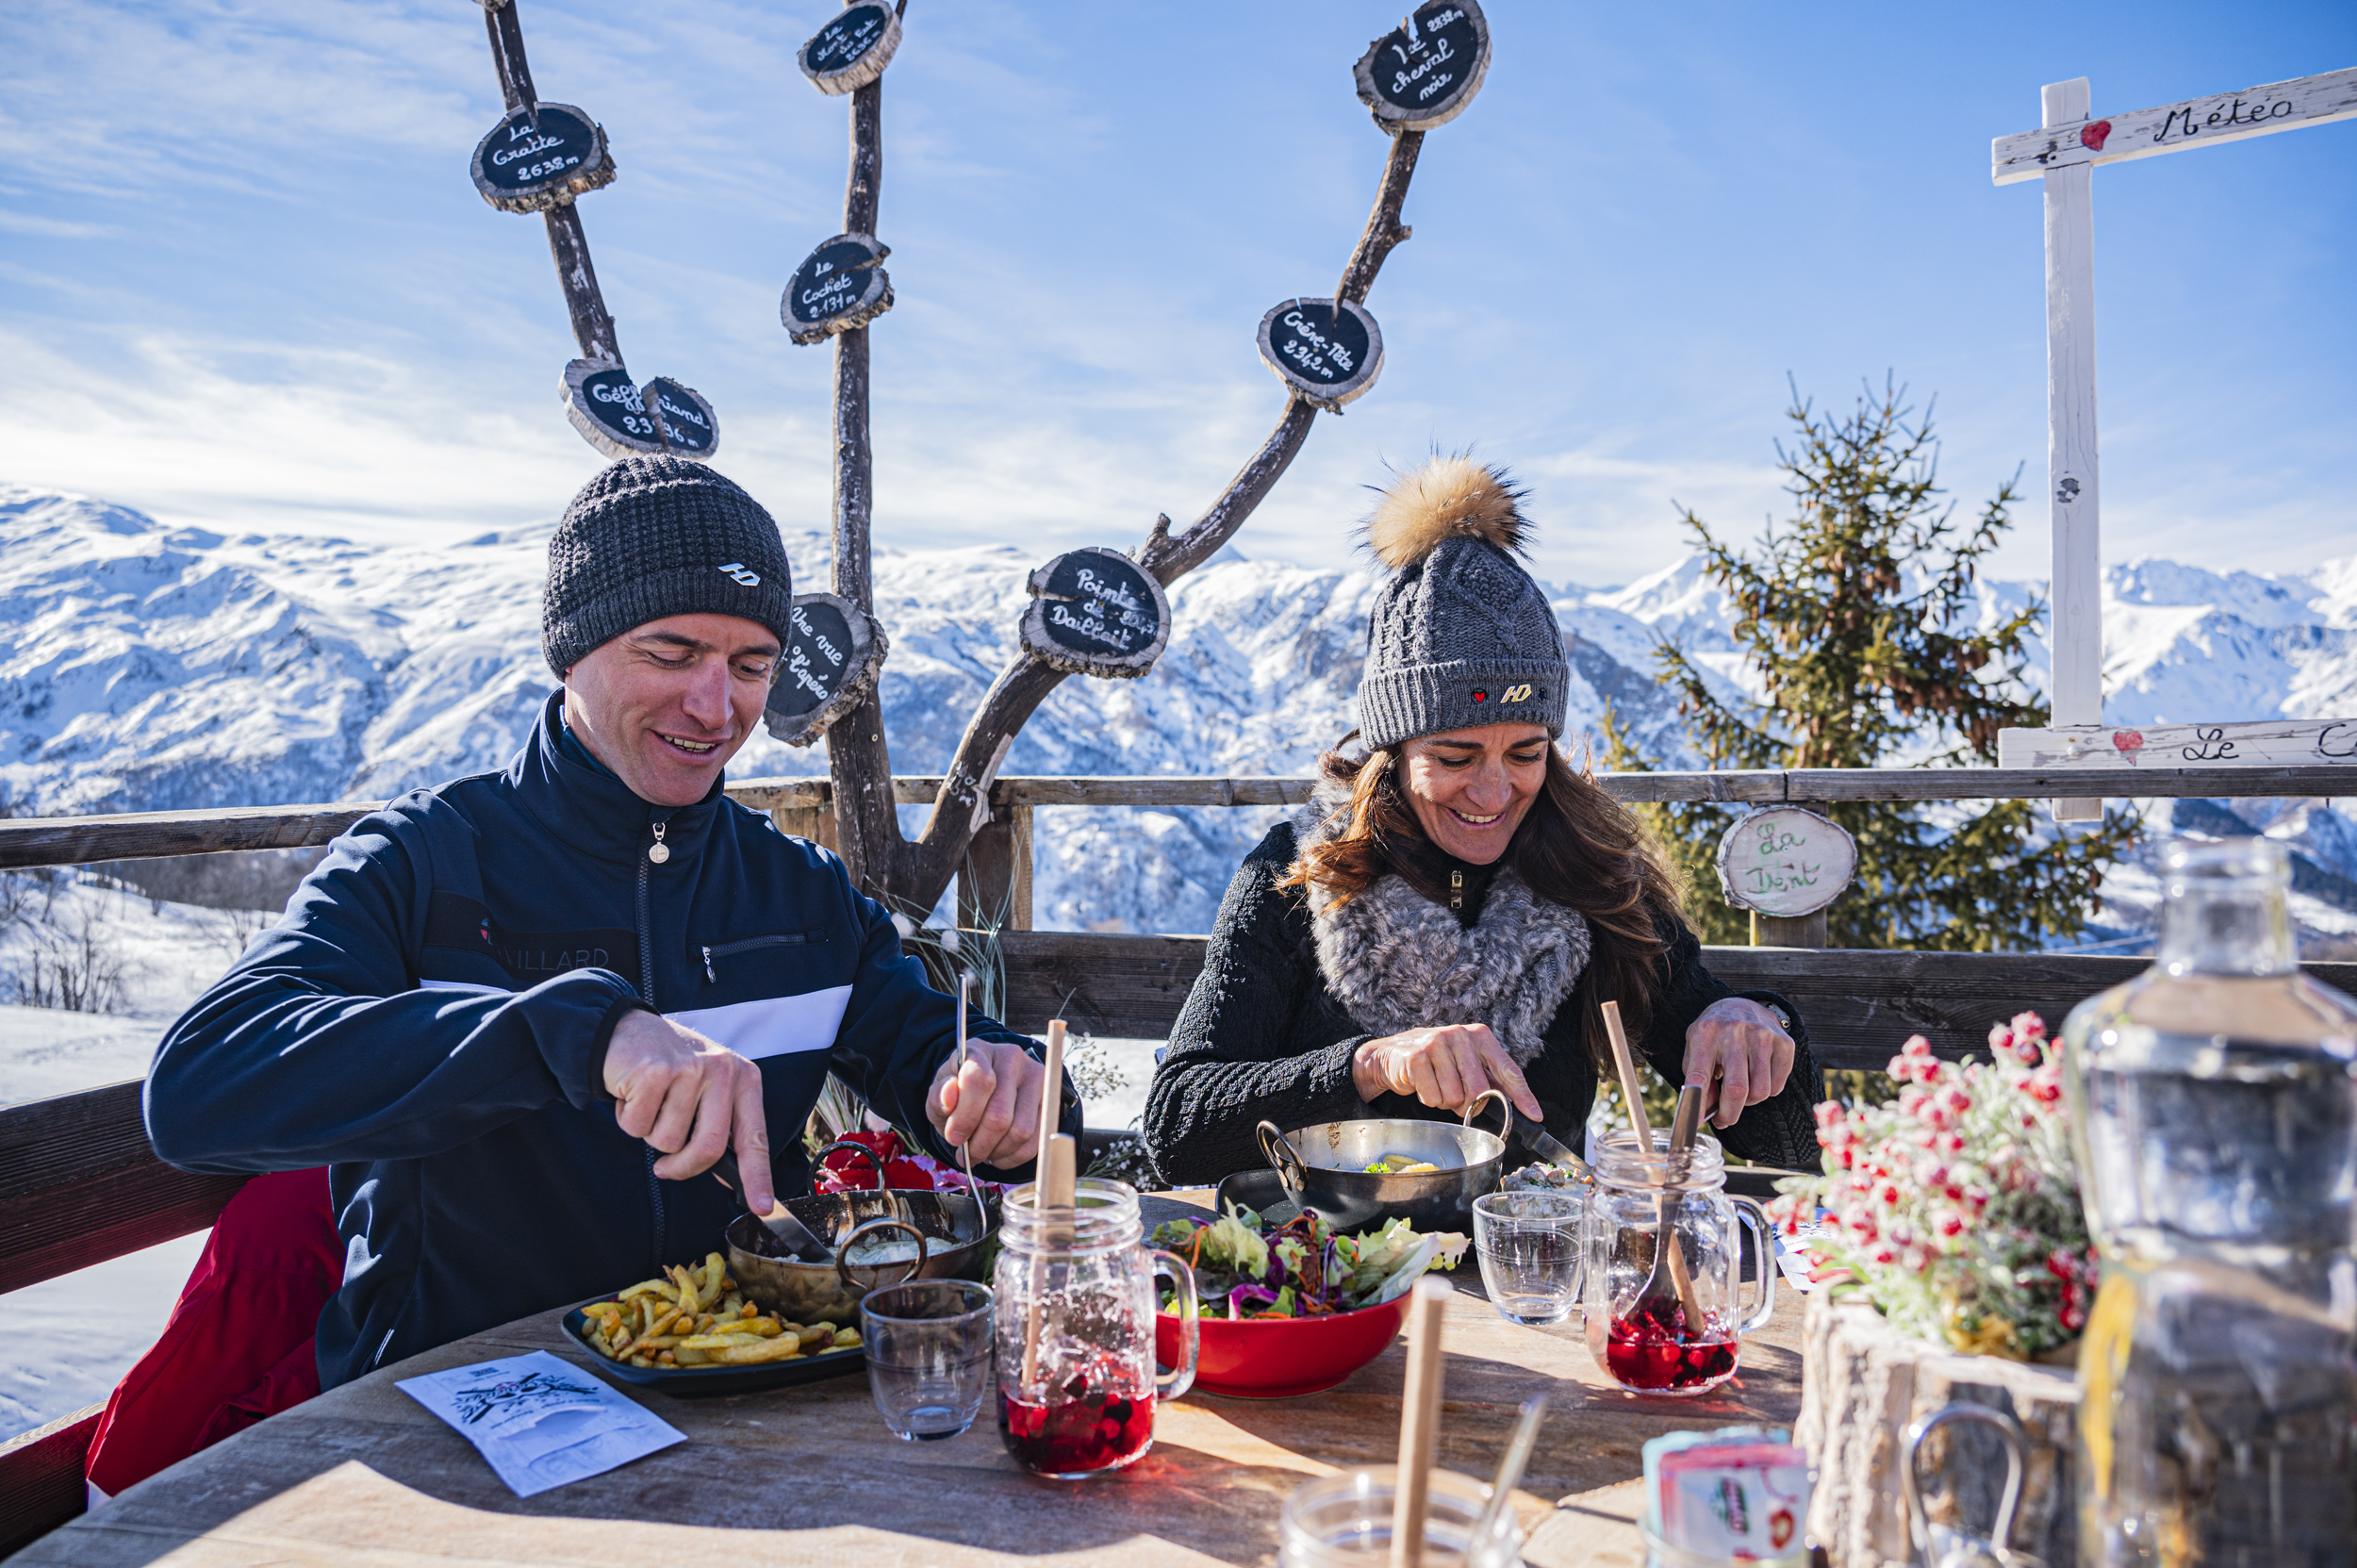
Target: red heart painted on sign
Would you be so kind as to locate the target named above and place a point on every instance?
(2127, 740)
(2092, 137)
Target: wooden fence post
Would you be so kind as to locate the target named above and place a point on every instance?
(815, 823)
(995, 882)
(1776, 931)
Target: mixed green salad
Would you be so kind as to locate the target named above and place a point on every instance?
(1301, 1269)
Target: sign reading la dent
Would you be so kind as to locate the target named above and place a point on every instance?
(853, 48)
(830, 662)
(1095, 612)
(541, 156)
(1785, 862)
(1422, 72)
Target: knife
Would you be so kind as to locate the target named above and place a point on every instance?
(1543, 1144)
(792, 1234)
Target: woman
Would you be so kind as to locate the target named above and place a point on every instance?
(1456, 902)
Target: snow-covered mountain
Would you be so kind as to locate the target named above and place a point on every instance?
(143, 667)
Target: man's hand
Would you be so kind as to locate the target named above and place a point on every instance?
(1741, 1055)
(690, 1098)
(993, 1105)
(1449, 1066)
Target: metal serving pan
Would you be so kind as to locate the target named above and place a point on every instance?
(1323, 1168)
(950, 1230)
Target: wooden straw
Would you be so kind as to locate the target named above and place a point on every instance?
(1053, 1190)
(1419, 1421)
(1682, 1139)
(1625, 1065)
(1051, 1095)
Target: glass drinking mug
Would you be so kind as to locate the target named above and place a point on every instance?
(1076, 1379)
(1344, 1521)
(1639, 1328)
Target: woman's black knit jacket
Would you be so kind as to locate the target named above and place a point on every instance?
(1261, 1036)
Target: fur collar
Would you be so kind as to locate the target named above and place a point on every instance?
(1397, 961)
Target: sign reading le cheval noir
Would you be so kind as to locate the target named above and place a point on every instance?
(541, 158)
(1095, 612)
(831, 663)
(1424, 73)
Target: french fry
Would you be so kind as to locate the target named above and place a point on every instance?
(715, 1271)
(846, 1339)
(640, 1289)
(687, 1357)
(754, 1352)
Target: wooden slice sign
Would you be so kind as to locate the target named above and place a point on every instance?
(831, 663)
(1424, 73)
(691, 428)
(1784, 861)
(1326, 359)
(612, 415)
(839, 286)
(853, 48)
(1095, 612)
(541, 158)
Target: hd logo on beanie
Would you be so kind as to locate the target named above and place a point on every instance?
(1519, 693)
(745, 576)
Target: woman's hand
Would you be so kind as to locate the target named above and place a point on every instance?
(1741, 1055)
(1448, 1067)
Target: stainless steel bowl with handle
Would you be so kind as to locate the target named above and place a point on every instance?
(1323, 1168)
(949, 1229)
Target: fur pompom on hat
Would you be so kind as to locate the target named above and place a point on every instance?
(1461, 636)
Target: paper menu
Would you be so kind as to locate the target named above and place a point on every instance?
(540, 1421)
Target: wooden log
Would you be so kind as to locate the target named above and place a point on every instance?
(2073, 491)
(1863, 1384)
(79, 1184)
(145, 835)
(42, 1480)
(584, 306)
(1788, 930)
(994, 884)
(2223, 116)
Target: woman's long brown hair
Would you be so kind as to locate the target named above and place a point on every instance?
(1576, 847)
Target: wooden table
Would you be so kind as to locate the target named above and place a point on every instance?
(363, 1478)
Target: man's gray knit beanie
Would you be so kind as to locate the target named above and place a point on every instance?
(1461, 635)
(655, 537)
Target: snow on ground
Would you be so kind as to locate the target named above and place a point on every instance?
(65, 1343)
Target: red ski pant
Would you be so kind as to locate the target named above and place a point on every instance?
(239, 1345)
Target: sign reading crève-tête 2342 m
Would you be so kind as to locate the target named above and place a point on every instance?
(2272, 742)
(1784, 861)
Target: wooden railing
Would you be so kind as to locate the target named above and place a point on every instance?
(79, 1184)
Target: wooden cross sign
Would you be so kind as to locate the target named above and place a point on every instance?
(839, 286)
(1423, 72)
(830, 664)
(541, 155)
(853, 48)
(1095, 612)
(621, 418)
(2281, 742)
(1327, 360)
(2064, 151)
(1785, 862)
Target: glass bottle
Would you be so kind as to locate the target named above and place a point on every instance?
(1637, 1327)
(1075, 1331)
(2215, 1105)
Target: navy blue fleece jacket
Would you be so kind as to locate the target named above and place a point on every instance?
(430, 1017)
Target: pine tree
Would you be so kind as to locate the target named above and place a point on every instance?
(1859, 616)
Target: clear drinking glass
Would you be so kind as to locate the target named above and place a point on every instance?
(1077, 1380)
(2213, 1099)
(1637, 1327)
(928, 1346)
(1530, 1247)
(1344, 1521)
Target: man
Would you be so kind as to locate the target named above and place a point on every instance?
(521, 1016)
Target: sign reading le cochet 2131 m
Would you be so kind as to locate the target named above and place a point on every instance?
(839, 286)
(1095, 612)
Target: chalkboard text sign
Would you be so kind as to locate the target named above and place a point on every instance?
(831, 663)
(1784, 861)
(613, 414)
(1326, 359)
(1095, 612)
(541, 158)
(853, 48)
(839, 286)
(1422, 72)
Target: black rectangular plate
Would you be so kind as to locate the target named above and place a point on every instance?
(693, 1382)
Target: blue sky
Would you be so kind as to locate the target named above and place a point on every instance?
(245, 281)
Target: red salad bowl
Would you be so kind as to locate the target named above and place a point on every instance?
(1277, 1358)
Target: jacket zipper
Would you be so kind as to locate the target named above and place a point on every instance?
(645, 994)
(729, 949)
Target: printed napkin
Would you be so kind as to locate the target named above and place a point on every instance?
(539, 1422)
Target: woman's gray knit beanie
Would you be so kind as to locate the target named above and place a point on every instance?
(656, 537)
(1461, 636)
